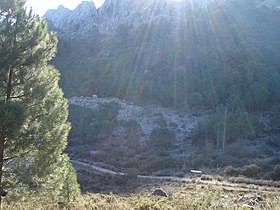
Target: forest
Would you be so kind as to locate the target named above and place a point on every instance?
(223, 62)
(227, 55)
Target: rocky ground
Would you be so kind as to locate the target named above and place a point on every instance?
(148, 117)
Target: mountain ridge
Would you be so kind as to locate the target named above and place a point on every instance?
(136, 54)
(113, 13)
(86, 17)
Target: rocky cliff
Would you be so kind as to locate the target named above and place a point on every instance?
(115, 12)
(174, 53)
(73, 22)
(133, 13)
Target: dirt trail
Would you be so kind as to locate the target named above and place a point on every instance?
(95, 169)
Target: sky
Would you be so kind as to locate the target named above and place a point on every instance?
(41, 6)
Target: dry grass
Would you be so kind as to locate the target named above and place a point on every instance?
(181, 196)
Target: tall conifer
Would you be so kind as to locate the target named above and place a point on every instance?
(33, 112)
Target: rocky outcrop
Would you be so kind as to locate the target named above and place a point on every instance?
(148, 117)
(73, 22)
(115, 12)
(132, 13)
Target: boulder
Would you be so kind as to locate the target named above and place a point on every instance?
(159, 192)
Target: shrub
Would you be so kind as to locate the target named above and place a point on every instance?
(173, 125)
(198, 161)
(238, 125)
(171, 163)
(132, 173)
(132, 124)
(196, 99)
(275, 161)
(161, 122)
(230, 171)
(275, 174)
(87, 124)
(181, 174)
(275, 116)
(209, 200)
(250, 170)
(228, 160)
(98, 157)
(120, 179)
(162, 137)
(273, 142)
(108, 111)
(206, 177)
(132, 131)
(162, 152)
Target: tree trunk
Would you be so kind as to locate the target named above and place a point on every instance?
(224, 134)
(2, 136)
(218, 137)
(9, 85)
(2, 141)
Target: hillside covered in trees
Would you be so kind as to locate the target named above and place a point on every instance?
(215, 60)
(224, 54)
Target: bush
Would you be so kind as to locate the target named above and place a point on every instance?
(275, 174)
(230, 171)
(275, 161)
(98, 157)
(241, 149)
(171, 163)
(108, 111)
(132, 131)
(162, 137)
(228, 160)
(273, 142)
(161, 152)
(132, 124)
(275, 116)
(206, 178)
(88, 125)
(199, 161)
(238, 125)
(120, 179)
(250, 170)
(132, 173)
(173, 125)
(196, 99)
(161, 122)
(181, 174)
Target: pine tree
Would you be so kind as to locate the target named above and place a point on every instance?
(33, 112)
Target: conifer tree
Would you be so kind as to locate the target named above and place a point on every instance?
(33, 112)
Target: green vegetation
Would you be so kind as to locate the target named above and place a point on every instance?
(275, 116)
(228, 54)
(88, 125)
(132, 131)
(222, 127)
(33, 112)
(162, 137)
